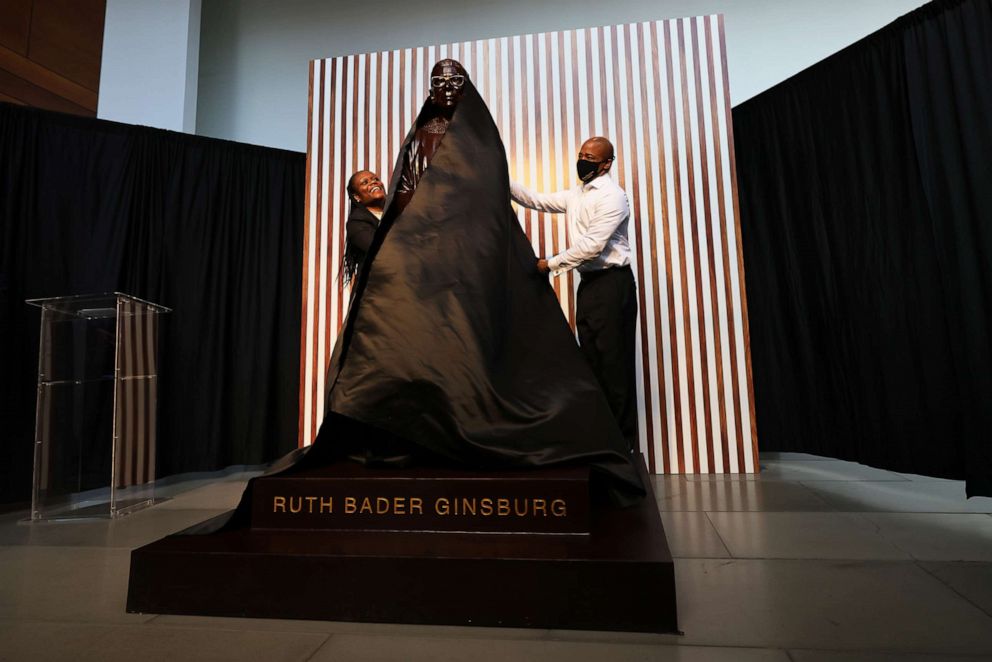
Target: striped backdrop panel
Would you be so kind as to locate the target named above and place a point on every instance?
(659, 91)
(135, 410)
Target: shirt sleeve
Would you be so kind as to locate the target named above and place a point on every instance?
(609, 212)
(555, 203)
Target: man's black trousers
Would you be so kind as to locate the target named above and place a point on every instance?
(606, 317)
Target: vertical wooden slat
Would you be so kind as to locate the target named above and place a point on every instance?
(553, 140)
(647, 54)
(717, 364)
(523, 74)
(316, 339)
(740, 264)
(303, 437)
(619, 138)
(387, 174)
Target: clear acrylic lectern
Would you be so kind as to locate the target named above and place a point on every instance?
(95, 425)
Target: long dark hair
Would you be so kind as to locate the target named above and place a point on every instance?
(353, 255)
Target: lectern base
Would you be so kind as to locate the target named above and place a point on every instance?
(619, 577)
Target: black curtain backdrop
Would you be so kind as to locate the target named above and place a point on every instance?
(865, 186)
(209, 228)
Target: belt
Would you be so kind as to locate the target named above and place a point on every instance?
(592, 275)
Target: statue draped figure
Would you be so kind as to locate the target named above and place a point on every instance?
(455, 350)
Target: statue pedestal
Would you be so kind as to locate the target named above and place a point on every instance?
(617, 576)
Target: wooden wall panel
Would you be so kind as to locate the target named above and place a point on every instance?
(67, 37)
(15, 24)
(21, 91)
(659, 91)
(50, 53)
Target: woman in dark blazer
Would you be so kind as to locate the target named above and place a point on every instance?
(368, 195)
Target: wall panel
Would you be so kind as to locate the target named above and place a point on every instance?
(50, 53)
(659, 91)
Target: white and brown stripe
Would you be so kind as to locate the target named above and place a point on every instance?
(659, 91)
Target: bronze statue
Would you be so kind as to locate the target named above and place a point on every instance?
(448, 79)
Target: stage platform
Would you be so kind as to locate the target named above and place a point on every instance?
(616, 574)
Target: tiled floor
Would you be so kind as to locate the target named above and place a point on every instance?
(813, 560)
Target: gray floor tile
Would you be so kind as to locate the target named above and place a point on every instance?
(65, 584)
(937, 536)
(340, 627)
(131, 531)
(933, 496)
(826, 604)
(667, 486)
(824, 470)
(175, 485)
(931, 479)
(882, 656)
(357, 648)
(39, 642)
(803, 536)
(971, 580)
(753, 495)
(779, 456)
(692, 535)
(720, 478)
(222, 495)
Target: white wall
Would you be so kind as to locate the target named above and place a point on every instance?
(254, 53)
(149, 67)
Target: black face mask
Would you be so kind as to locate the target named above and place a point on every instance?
(586, 169)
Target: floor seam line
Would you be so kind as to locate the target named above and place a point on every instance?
(718, 536)
(318, 648)
(954, 590)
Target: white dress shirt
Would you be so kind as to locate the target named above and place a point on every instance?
(597, 214)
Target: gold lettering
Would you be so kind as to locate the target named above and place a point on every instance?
(516, 507)
(502, 507)
(416, 504)
(398, 505)
(441, 506)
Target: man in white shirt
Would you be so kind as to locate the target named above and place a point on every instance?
(597, 214)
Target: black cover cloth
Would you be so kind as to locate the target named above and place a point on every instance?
(212, 229)
(360, 230)
(454, 343)
(866, 211)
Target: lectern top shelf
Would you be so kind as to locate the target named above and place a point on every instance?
(94, 306)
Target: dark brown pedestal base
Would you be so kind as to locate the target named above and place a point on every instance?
(619, 577)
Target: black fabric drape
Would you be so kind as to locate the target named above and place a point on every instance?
(454, 349)
(455, 343)
(210, 228)
(866, 215)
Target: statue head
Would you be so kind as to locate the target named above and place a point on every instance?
(448, 78)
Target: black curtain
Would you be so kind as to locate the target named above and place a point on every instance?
(209, 228)
(865, 186)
